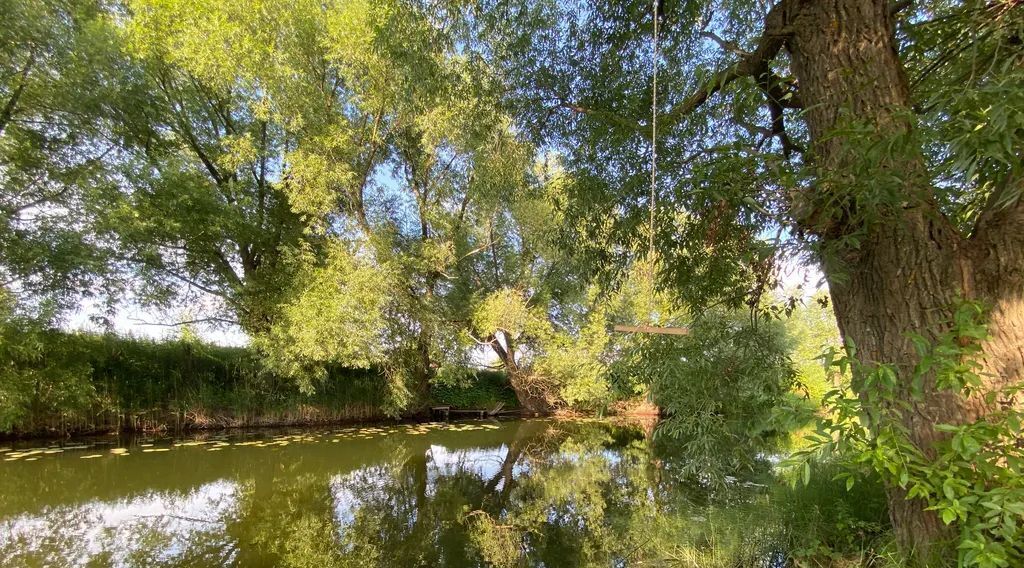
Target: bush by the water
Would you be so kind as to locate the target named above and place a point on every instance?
(480, 390)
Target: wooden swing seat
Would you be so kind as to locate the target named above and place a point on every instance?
(651, 329)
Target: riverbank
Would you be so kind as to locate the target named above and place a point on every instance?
(65, 384)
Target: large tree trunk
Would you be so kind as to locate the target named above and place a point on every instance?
(910, 264)
(423, 371)
(530, 393)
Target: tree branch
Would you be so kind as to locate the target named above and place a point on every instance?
(753, 64)
(777, 100)
(12, 103)
(750, 64)
(181, 116)
(194, 284)
(186, 322)
(726, 45)
(604, 115)
(358, 192)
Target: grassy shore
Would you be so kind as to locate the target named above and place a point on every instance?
(56, 383)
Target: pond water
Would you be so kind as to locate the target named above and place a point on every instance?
(477, 493)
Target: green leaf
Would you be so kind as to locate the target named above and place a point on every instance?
(948, 516)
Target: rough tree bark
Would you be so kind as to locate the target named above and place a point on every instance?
(527, 390)
(911, 263)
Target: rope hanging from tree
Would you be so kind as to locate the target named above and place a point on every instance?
(654, 147)
(654, 194)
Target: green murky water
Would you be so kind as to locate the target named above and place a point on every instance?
(479, 493)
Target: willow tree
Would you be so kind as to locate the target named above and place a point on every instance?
(881, 137)
(342, 170)
(53, 62)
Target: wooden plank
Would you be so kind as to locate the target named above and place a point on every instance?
(651, 329)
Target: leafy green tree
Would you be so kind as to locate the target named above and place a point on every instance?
(281, 158)
(972, 478)
(719, 389)
(200, 211)
(566, 352)
(548, 365)
(811, 328)
(55, 60)
(41, 371)
(880, 137)
(272, 159)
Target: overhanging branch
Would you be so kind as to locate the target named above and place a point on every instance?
(753, 64)
(186, 322)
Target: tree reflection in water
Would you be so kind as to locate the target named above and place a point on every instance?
(535, 493)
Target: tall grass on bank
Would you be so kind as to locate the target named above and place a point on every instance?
(53, 382)
(830, 525)
(817, 525)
